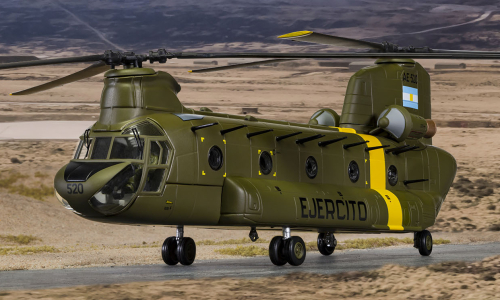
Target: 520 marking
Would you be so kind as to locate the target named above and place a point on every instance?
(75, 188)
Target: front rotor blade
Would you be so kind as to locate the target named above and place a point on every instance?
(325, 39)
(242, 65)
(85, 73)
(52, 61)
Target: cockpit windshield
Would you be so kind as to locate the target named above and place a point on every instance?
(101, 148)
(126, 148)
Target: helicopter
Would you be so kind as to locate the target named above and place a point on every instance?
(149, 160)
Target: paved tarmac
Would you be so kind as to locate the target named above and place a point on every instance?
(43, 130)
(356, 260)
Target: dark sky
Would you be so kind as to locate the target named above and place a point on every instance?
(96, 25)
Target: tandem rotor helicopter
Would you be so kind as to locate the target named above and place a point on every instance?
(149, 160)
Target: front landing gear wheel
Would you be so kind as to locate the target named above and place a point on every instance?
(186, 251)
(276, 251)
(424, 242)
(168, 251)
(295, 250)
(326, 243)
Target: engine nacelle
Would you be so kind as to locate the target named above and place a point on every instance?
(402, 125)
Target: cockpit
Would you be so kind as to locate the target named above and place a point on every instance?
(116, 167)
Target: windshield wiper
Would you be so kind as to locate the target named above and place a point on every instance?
(86, 141)
(138, 140)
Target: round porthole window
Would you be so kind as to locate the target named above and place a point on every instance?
(353, 171)
(265, 163)
(392, 175)
(311, 167)
(215, 158)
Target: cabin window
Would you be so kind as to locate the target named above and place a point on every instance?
(265, 163)
(392, 175)
(353, 171)
(127, 148)
(153, 180)
(101, 148)
(311, 167)
(215, 159)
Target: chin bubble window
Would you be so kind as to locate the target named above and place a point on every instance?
(117, 193)
(154, 180)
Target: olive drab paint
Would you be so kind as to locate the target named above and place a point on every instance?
(237, 191)
(372, 89)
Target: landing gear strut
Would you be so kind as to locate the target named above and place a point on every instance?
(253, 235)
(178, 248)
(422, 240)
(326, 243)
(287, 249)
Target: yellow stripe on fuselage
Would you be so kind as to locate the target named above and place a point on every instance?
(346, 130)
(378, 179)
(378, 183)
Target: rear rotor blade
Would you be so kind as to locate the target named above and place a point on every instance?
(53, 61)
(458, 54)
(325, 39)
(85, 73)
(242, 65)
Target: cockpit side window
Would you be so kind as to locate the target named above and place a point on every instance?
(101, 148)
(154, 155)
(80, 151)
(126, 148)
(164, 154)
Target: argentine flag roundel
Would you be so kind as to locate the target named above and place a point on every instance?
(410, 97)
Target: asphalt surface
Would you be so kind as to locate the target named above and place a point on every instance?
(356, 260)
(43, 130)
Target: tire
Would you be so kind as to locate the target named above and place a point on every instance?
(186, 251)
(168, 251)
(425, 243)
(295, 250)
(322, 247)
(276, 251)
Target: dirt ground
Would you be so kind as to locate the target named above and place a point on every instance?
(465, 106)
(441, 281)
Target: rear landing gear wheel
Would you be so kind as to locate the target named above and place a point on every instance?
(186, 251)
(295, 250)
(326, 243)
(423, 241)
(276, 251)
(168, 251)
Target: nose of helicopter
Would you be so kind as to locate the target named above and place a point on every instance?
(97, 189)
